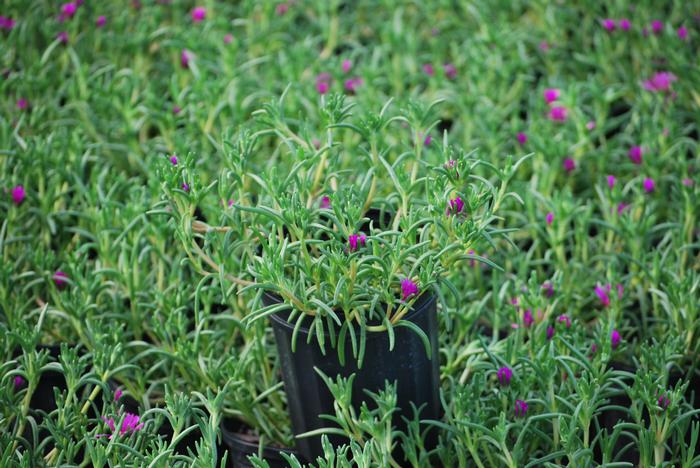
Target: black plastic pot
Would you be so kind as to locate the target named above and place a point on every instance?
(416, 376)
(241, 444)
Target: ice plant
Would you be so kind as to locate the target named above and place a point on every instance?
(427, 140)
(608, 24)
(549, 218)
(18, 382)
(558, 114)
(68, 10)
(173, 160)
(504, 375)
(185, 59)
(346, 66)
(520, 408)
(228, 38)
(565, 320)
(611, 181)
(635, 154)
(101, 21)
(408, 288)
(325, 202)
(22, 103)
(199, 13)
(522, 138)
(62, 37)
(185, 187)
(117, 394)
(656, 26)
(569, 165)
(356, 241)
(59, 279)
(282, 9)
(454, 206)
(624, 24)
(548, 289)
(528, 318)
(683, 33)
(663, 401)
(660, 81)
(590, 125)
(550, 332)
(602, 293)
(428, 69)
(648, 185)
(551, 95)
(352, 84)
(615, 339)
(130, 424)
(18, 194)
(450, 71)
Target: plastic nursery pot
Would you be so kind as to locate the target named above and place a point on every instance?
(416, 376)
(241, 443)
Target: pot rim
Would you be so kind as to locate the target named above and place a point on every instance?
(231, 439)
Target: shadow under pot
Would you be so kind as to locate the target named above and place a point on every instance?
(416, 376)
(241, 443)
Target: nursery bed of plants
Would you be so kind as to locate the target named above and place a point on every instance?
(349, 233)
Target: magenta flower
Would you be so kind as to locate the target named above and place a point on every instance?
(176, 110)
(649, 185)
(454, 206)
(611, 181)
(687, 182)
(622, 206)
(68, 10)
(185, 187)
(428, 69)
(62, 37)
(624, 24)
(504, 375)
(22, 103)
(660, 81)
(635, 154)
(548, 289)
(428, 139)
(130, 424)
(355, 241)
(663, 401)
(325, 202)
(18, 382)
(528, 318)
(590, 125)
(544, 46)
(199, 13)
(408, 288)
(520, 408)
(683, 33)
(608, 24)
(569, 165)
(551, 95)
(228, 38)
(656, 26)
(101, 21)
(550, 332)
(602, 293)
(615, 339)
(7, 23)
(558, 114)
(59, 279)
(522, 138)
(346, 65)
(18, 194)
(173, 160)
(450, 71)
(352, 84)
(282, 9)
(549, 218)
(117, 394)
(185, 58)
(565, 320)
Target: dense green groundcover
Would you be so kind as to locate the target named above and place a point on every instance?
(161, 160)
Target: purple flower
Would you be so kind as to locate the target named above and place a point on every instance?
(450, 71)
(352, 84)
(282, 9)
(687, 182)
(59, 279)
(62, 37)
(615, 339)
(550, 332)
(565, 320)
(520, 408)
(656, 26)
(551, 95)
(185, 187)
(522, 138)
(176, 110)
(355, 241)
(346, 65)
(649, 185)
(608, 24)
(602, 293)
(22, 103)
(611, 181)
(228, 38)
(590, 125)
(622, 206)
(408, 288)
(635, 154)
(504, 375)
(528, 319)
(454, 206)
(18, 194)
(101, 20)
(427, 140)
(173, 160)
(68, 10)
(663, 401)
(185, 58)
(325, 202)
(549, 218)
(683, 33)
(544, 46)
(199, 13)
(428, 69)
(624, 24)
(569, 165)
(548, 289)
(130, 424)
(117, 394)
(18, 382)
(558, 114)
(660, 81)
